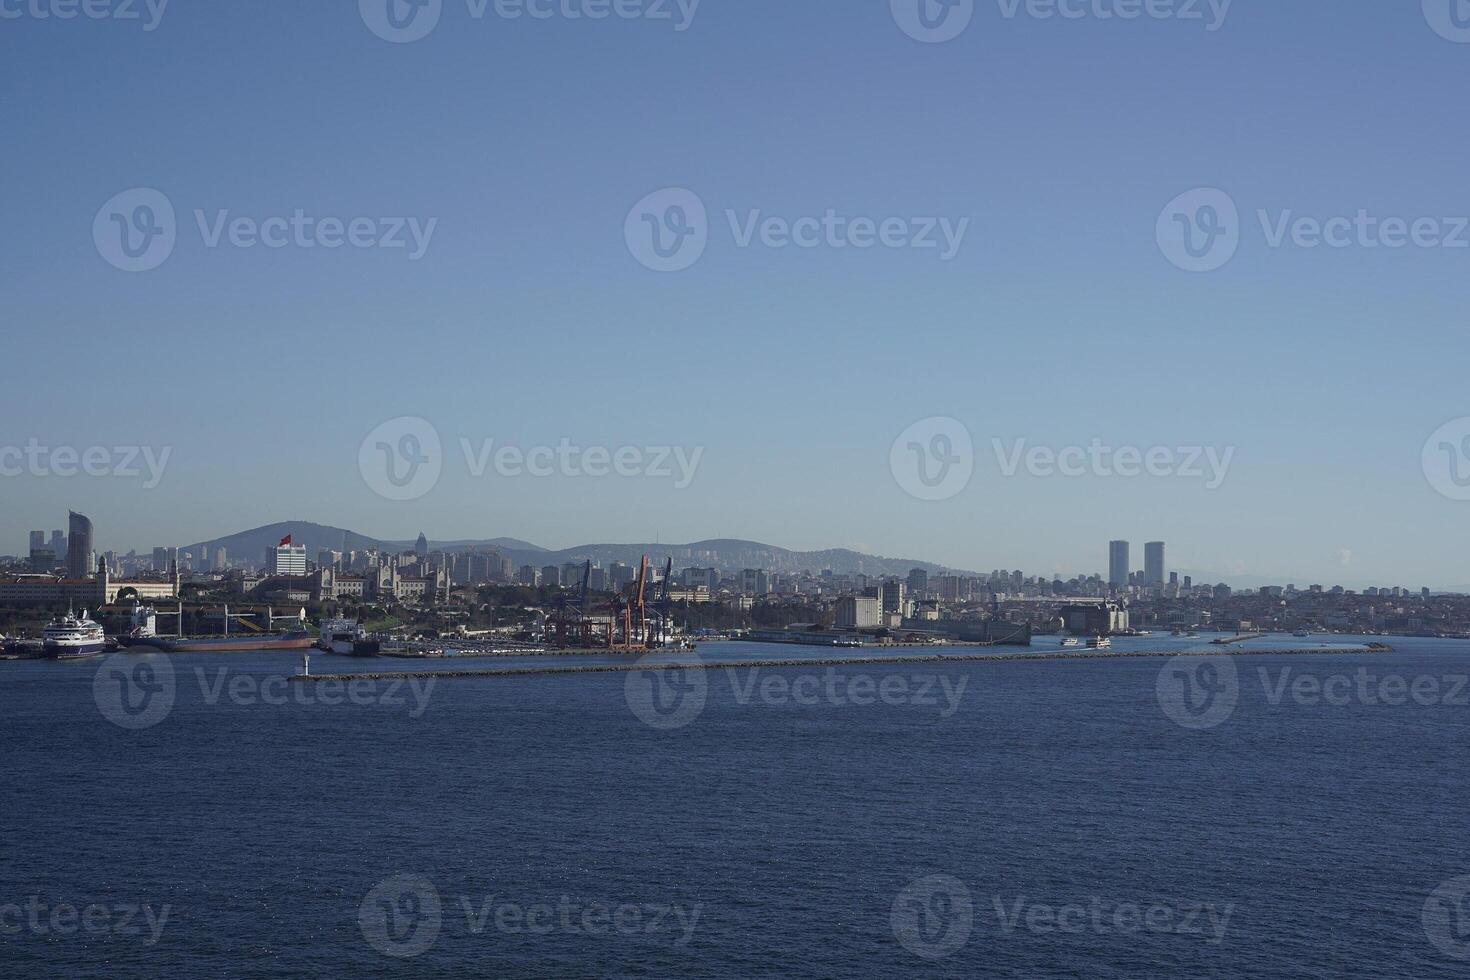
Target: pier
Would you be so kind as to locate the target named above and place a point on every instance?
(831, 662)
(1225, 641)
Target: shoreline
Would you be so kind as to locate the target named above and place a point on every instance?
(827, 662)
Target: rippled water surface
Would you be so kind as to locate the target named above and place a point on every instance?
(1052, 818)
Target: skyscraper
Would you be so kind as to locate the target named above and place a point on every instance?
(38, 540)
(1153, 564)
(58, 544)
(421, 547)
(286, 559)
(1118, 564)
(78, 546)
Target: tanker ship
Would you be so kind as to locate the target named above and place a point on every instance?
(293, 640)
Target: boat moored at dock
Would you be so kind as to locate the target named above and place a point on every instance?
(72, 637)
(294, 640)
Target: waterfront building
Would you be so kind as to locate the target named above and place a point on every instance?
(1095, 618)
(98, 590)
(858, 612)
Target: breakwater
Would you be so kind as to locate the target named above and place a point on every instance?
(832, 662)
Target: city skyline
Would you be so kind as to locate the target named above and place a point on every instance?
(527, 321)
(1118, 557)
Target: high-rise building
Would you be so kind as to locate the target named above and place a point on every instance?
(160, 559)
(551, 575)
(918, 581)
(421, 547)
(221, 560)
(1118, 564)
(755, 581)
(58, 544)
(38, 540)
(286, 559)
(1153, 564)
(79, 562)
(893, 592)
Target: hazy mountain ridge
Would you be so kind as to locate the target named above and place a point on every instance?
(728, 555)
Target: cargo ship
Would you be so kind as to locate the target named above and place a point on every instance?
(294, 640)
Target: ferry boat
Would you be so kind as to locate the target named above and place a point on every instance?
(1071, 641)
(340, 635)
(1099, 643)
(73, 637)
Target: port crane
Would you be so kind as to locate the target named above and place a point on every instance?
(565, 629)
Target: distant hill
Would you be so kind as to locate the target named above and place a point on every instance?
(731, 556)
(725, 555)
(251, 545)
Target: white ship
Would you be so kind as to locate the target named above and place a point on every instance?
(1099, 643)
(72, 637)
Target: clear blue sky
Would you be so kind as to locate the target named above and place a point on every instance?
(529, 321)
